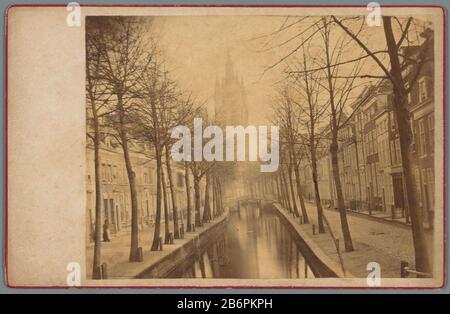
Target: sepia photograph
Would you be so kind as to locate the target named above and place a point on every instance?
(225, 147)
(341, 108)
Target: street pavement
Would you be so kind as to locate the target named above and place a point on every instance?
(117, 251)
(374, 241)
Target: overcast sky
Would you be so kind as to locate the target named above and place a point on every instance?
(195, 49)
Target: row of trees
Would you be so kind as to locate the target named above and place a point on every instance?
(331, 59)
(131, 98)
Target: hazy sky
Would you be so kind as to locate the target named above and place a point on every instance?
(195, 49)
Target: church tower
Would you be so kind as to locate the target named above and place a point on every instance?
(231, 109)
(230, 98)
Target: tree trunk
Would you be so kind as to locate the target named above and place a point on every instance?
(316, 191)
(207, 209)
(158, 155)
(214, 198)
(96, 274)
(173, 193)
(134, 242)
(219, 197)
(166, 208)
(197, 201)
(218, 204)
(188, 197)
(157, 231)
(286, 191)
(291, 186)
(300, 194)
(278, 189)
(340, 198)
(282, 192)
(402, 116)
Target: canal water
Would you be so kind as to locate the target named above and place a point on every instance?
(254, 245)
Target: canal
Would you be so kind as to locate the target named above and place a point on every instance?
(255, 244)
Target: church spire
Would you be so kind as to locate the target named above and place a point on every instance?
(229, 70)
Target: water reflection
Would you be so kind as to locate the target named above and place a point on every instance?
(254, 245)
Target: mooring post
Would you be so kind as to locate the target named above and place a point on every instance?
(160, 243)
(104, 271)
(301, 219)
(404, 269)
(140, 254)
(314, 229)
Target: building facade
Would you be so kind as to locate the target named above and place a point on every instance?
(370, 160)
(115, 189)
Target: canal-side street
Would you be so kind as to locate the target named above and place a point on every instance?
(374, 241)
(115, 254)
(243, 242)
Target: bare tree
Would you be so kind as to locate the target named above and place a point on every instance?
(400, 59)
(199, 169)
(285, 116)
(339, 92)
(125, 52)
(179, 110)
(337, 85)
(311, 114)
(153, 88)
(98, 97)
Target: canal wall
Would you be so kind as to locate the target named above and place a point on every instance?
(320, 263)
(188, 250)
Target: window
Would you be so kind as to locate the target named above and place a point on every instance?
(423, 93)
(145, 178)
(394, 159)
(430, 179)
(180, 179)
(386, 152)
(431, 133)
(114, 174)
(372, 146)
(103, 172)
(109, 174)
(422, 138)
(146, 175)
(417, 180)
(409, 93)
(398, 151)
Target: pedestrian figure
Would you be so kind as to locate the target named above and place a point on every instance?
(106, 231)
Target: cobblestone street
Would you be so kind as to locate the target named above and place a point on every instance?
(374, 241)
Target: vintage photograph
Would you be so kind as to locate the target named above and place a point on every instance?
(263, 147)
